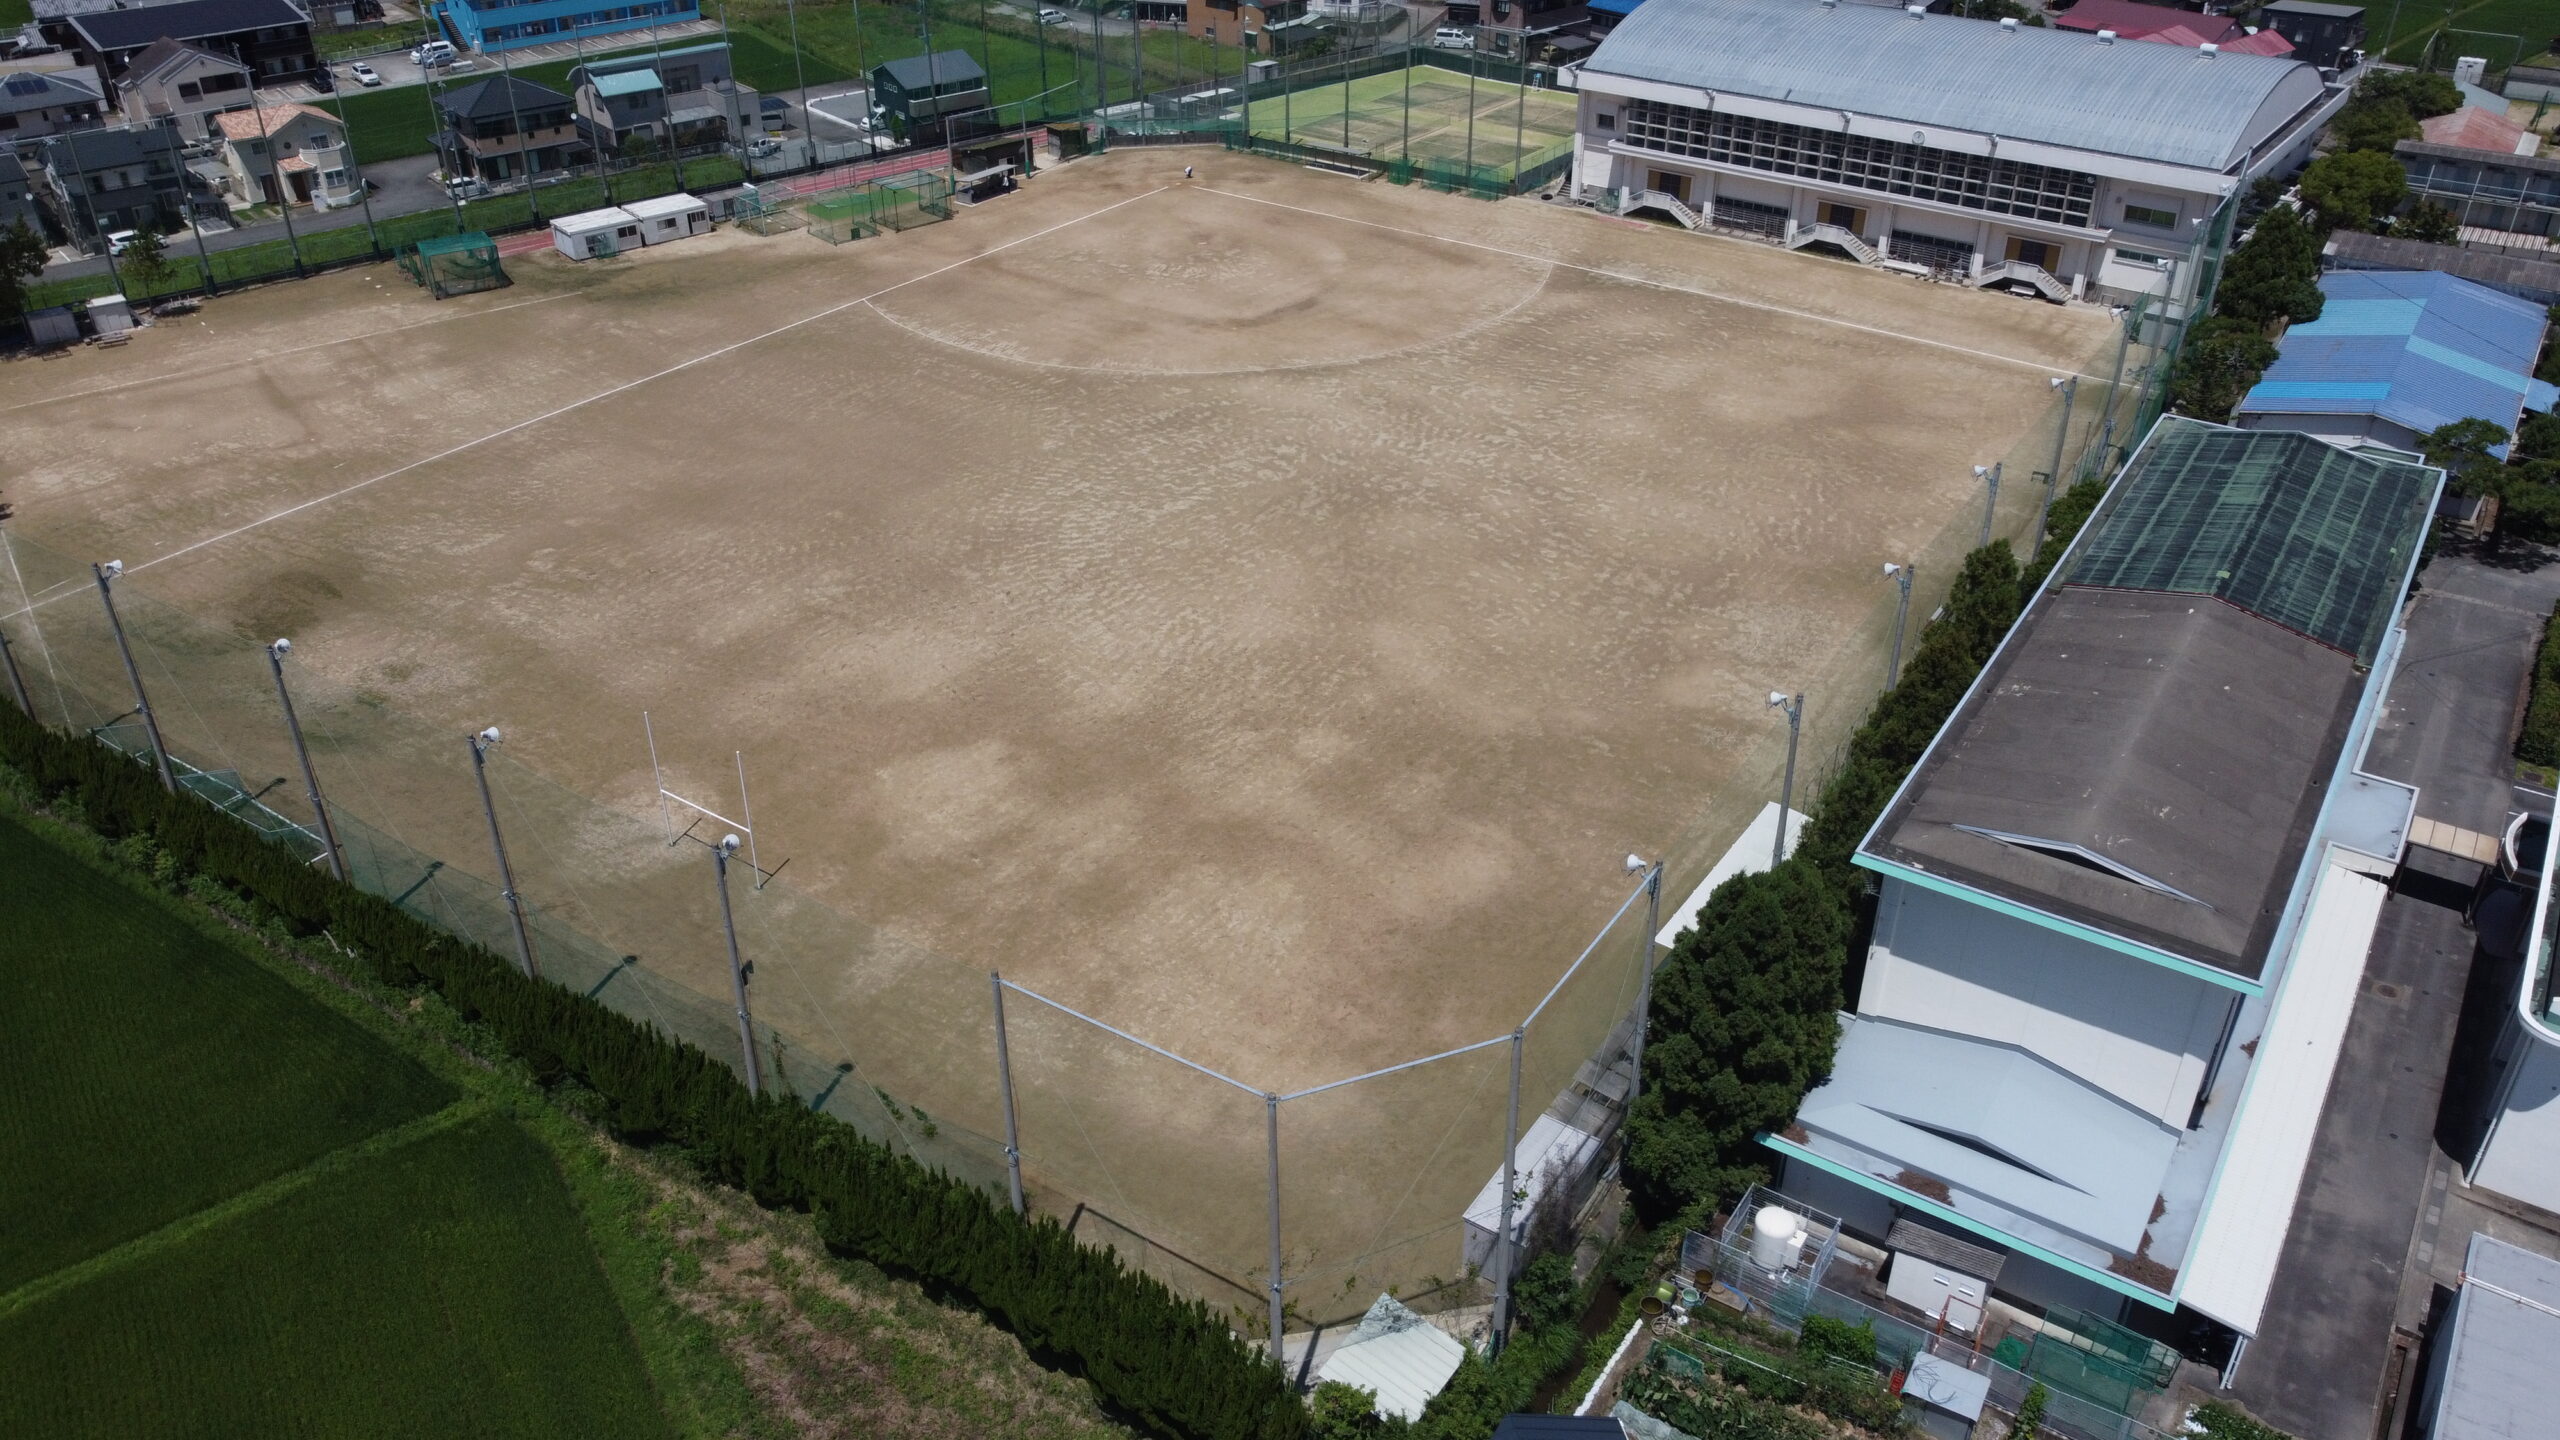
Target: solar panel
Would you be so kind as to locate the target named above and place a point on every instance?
(25, 84)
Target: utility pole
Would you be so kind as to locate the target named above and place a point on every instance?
(1901, 576)
(1271, 1126)
(1004, 1081)
(1990, 476)
(1644, 981)
(17, 682)
(480, 745)
(738, 969)
(310, 777)
(1504, 1258)
(106, 574)
(1786, 788)
(2070, 389)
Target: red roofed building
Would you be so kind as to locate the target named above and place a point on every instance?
(2169, 25)
(2470, 128)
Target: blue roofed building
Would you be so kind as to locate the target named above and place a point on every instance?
(2397, 353)
(490, 25)
(2125, 899)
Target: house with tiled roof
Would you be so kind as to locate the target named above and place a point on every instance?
(174, 83)
(277, 154)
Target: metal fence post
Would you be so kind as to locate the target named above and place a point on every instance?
(738, 970)
(17, 682)
(1004, 1081)
(1644, 978)
(106, 573)
(310, 777)
(480, 744)
(1503, 1254)
(1271, 1114)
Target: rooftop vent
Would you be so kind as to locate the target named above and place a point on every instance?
(2010, 24)
(2209, 49)
(1915, 11)
(2081, 856)
(2106, 37)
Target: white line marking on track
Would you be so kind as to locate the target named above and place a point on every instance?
(280, 354)
(1625, 278)
(606, 394)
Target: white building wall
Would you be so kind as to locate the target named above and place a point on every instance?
(2141, 1032)
(2520, 1159)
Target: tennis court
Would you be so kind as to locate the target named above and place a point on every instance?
(1422, 114)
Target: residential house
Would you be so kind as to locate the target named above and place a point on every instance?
(2395, 355)
(1997, 154)
(271, 37)
(1261, 29)
(37, 103)
(296, 153)
(2127, 893)
(2472, 128)
(173, 83)
(97, 181)
(683, 96)
(921, 90)
(2325, 35)
(2487, 191)
(488, 25)
(1514, 29)
(2169, 25)
(17, 195)
(503, 128)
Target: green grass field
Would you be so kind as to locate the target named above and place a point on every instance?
(225, 1208)
(149, 1074)
(2402, 32)
(1373, 116)
(440, 1287)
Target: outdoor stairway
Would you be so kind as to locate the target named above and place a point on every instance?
(1800, 236)
(2043, 281)
(1668, 204)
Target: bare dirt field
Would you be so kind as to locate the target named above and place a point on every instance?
(1261, 612)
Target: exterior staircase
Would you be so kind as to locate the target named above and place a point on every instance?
(1847, 239)
(2018, 272)
(1668, 204)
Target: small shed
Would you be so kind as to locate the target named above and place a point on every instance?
(53, 325)
(670, 217)
(592, 233)
(1397, 1356)
(1548, 1168)
(109, 316)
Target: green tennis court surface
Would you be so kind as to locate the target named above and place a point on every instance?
(1423, 114)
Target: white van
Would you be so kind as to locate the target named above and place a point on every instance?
(434, 52)
(1453, 37)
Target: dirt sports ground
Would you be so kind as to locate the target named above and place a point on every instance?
(1261, 611)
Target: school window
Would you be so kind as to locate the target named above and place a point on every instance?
(2143, 257)
(1605, 120)
(2145, 215)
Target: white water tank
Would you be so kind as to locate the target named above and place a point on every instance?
(2470, 70)
(1777, 1233)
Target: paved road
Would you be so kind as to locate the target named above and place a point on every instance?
(400, 187)
(2318, 1368)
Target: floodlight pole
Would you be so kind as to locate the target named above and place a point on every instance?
(480, 744)
(1004, 1081)
(1901, 615)
(720, 854)
(17, 682)
(310, 777)
(141, 699)
(1787, 786)
(1990, 498)
(1644, 979)
(1271, 1128)
(1502, 1250)
(2070, 389)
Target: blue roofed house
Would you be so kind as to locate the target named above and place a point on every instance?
(2397, 353)
(2125, 900)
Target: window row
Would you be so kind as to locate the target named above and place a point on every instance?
(1923, 172)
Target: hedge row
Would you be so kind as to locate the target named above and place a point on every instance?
(2539, 742)
(1167, 1364)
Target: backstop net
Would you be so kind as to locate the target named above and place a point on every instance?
(894, 202)
(450, 265)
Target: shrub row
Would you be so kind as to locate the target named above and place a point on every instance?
(2539, 742)
(1167, 1364)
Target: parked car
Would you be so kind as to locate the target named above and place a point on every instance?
(119, 241)
(465, 187)
(1453, 37)
(434, 52)
(1053, 17)
(364, 74)
(763, 146)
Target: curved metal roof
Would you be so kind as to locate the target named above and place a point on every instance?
(2154, 102)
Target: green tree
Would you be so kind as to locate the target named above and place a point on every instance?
(2221, 360)
(2373, 129)
(2539, 437)
(2355, 189)
(2275, 273)
(1342, 1412)
(2462, 448)
(2422, 94)
(146, 264)
(1543, 1295)
(2030, 1422)
(1745, 1020)
(2549, 369)
(22, 257)
(2430, 222)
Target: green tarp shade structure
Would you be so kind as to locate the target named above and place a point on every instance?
(2288, 528)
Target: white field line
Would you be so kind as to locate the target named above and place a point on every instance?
(1625, 278)
(608, 393)
(280, 354)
